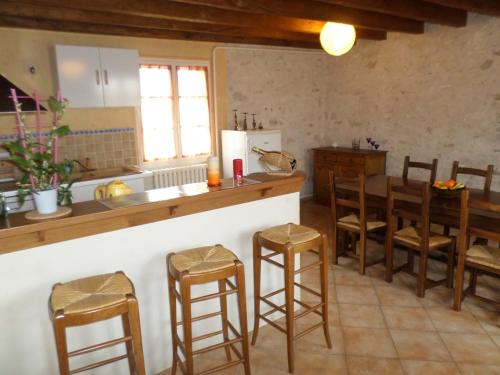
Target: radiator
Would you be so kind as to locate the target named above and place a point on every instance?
(179, 175)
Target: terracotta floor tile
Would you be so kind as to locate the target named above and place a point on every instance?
(369, 316)
(396, 296)
(446, 319)
(496, 339)
(419, 345)
(474, 369)
(368, 342)
(314, 342)
(439, 296)
(429, 367)
(348, 277)
(373, 366)
(470, 348)
(488, 318)
(319, 363)
(360, 295)
(401, 317)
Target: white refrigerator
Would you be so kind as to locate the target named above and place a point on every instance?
(238, 144)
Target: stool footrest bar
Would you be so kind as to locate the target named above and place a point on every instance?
(201, 317)
(101, 345)
(306, 331)
(308, 311)
(307, 289)
(98, 364)
(308, 267)
(277, 264)
(221, 367)
(270, 322)
(273, 293)
(207, 335)
(309, 307)
(273, 305)
(213, 295)
(217, 346)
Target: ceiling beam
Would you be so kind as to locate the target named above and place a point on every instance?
(414, 9)
(289, 11)
(12, 8)
(316, 11)
(91, 28)
(489, 7)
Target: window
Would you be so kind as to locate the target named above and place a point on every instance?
(175, 111)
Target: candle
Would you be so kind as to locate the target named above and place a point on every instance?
(238, 170)
(213, 171)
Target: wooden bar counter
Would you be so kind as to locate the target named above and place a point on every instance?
(133, 234)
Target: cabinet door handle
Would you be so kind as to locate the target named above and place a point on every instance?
(105, 76)
(97, 77)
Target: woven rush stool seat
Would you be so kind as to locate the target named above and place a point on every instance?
(352, 222)
(94, 299)
(290, 233)
(413, 236)
(90, 293)
(204, 265)
(288, 240)
(203, 259)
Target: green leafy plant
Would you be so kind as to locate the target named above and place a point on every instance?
(38, 160)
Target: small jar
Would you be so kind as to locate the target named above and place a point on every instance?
(238, 170)
(213, 171)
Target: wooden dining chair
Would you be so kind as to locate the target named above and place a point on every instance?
(411, 201)
(356, 225)
(478, 258)
(487, 174)
(432, 167)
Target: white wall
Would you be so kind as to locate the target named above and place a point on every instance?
(26, 340)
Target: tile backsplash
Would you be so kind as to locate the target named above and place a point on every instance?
(105, 148)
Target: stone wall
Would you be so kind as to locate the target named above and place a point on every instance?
(435, 95)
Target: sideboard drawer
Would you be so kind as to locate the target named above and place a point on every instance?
(346, 163)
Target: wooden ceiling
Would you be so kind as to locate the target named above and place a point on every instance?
(294, 23)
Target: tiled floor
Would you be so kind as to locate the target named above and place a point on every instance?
(380, 328)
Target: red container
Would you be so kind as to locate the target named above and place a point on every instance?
(238, 170)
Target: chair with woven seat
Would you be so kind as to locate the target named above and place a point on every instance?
(94, 299)
(357, 224)
(412, 202)
(479, 258)
(486, 174)
(431, 167)
(288, 240)
(201, 266)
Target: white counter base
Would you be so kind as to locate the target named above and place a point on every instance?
(26, 340)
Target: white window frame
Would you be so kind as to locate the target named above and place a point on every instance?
(187, 160)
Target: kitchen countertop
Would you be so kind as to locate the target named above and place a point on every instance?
(93, 217)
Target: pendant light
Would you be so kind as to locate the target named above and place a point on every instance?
(337, 38)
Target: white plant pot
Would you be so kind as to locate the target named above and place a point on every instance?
(46, 201)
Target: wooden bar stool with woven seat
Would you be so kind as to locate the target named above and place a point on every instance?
(289, 240)
(94, 299)
(201, 266)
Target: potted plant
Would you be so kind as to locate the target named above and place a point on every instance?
(37, 157)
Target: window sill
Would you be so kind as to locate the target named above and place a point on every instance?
(174, 163)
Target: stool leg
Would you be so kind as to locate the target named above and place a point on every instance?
(61, 344)
(450, 265)
(128, 344)
(173, 320)
(323, 254)
(289, 297)
(135, 329)
(257, 253)
(335, 244)
(223, 309)
(187, 324)
(242, 311)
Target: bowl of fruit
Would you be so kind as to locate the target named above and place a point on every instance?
(448, 189)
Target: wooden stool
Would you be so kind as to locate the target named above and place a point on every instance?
(90, 300)
(200, 266)
(288, 240)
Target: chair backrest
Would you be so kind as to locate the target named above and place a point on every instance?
(411, 201)
(486, 173)
(356, 200)
(480, 229)
(432, 167)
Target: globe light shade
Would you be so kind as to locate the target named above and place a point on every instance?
(337, 38)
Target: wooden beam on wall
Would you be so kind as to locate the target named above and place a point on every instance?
(294, 11)
(418, 10)
(489, 7)
(316, 11)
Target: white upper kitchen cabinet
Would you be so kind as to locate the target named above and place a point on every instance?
(98, 77)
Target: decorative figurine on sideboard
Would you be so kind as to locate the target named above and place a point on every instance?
(373, 143)
(245, 124)
(235, 119)
(254, 124)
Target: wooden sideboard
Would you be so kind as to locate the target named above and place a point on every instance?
(345, 162)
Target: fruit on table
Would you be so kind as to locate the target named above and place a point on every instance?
(448, 185)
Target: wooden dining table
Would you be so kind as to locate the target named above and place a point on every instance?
(444, 210)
